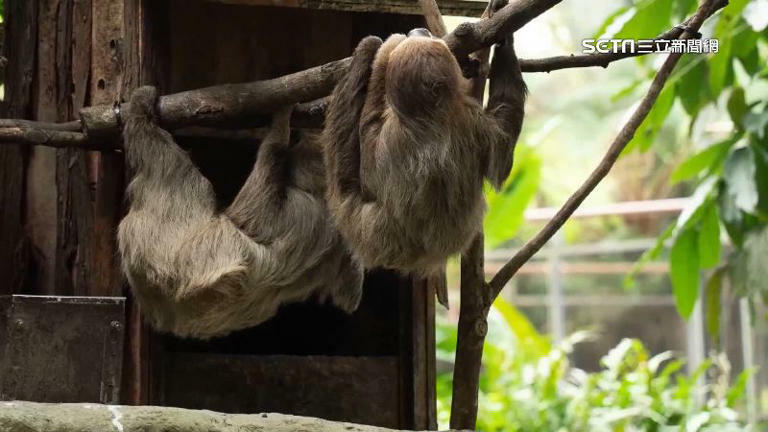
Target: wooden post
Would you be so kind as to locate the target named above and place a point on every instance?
(74, 211)
(41, 192)
(105, 170)
(20, 35)
(473, 314)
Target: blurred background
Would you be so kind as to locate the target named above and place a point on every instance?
(647, 311)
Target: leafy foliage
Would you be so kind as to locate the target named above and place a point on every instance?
(730, 173)
(528, 385)
(506, 208)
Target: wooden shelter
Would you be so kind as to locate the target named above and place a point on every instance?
(60, 208)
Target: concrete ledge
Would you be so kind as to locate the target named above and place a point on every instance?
(20, 416)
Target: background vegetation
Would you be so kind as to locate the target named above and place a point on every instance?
(706, 138)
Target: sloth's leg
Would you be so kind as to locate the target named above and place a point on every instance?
(257, 207)
(341, 135)
(506, 106)
(372, 117)
(166, 183)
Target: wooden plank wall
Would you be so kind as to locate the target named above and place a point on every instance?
(20, 36)
(61, 206)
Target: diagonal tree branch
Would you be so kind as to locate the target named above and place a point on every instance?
(473, 324)
(501, 278)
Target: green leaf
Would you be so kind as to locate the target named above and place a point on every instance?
(732, 217)
(649, 255)
(652, 124)
(761, 176)
(506, 208)
(713, 295)
(744, 48)
(739, 174)
(601, 32)
(738, 391)
(689, 89)
(708, 159)
(720, 68)
(651, 18)
(683, 8)
(751, 60)
(628, 90)
(737, 106)
(709, 237)
(521, 327)
(684, 269)
(721, 63)
(756, 123)
(691, 215)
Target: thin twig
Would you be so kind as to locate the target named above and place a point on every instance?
(550, 64)
(624, 137)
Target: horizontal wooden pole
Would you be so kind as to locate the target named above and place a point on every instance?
(232, 102)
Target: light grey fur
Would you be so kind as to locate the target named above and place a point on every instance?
(200, 273)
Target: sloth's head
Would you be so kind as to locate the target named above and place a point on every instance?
(422, 74)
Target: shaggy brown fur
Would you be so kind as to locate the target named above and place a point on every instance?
(199, 273)
(406, 150)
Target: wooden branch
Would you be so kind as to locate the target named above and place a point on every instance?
(471, 37)
(307, 115)
(87, 417)
(44, 137)
(228, 103)
(73, 126)
(244, 105)
(498, 282)
(472, 329)
(223, 103)
(473, 309)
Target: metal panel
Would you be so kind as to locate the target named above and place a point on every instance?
(61, 349)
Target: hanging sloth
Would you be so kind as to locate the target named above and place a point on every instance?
(200, 273)
(407, 149)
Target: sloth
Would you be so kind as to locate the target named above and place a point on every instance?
(197, 272)
(407, 149)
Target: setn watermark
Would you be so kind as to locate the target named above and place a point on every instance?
(648, 46)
